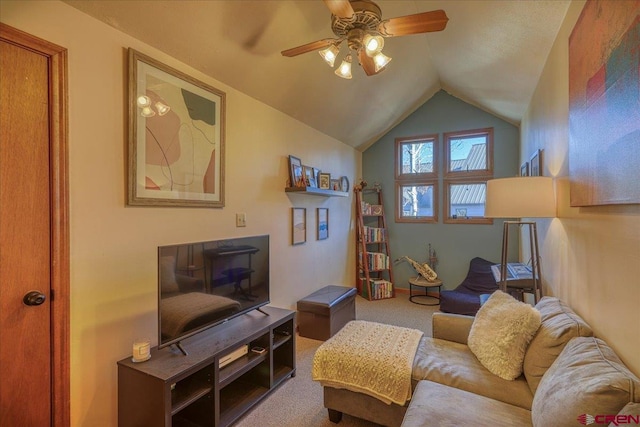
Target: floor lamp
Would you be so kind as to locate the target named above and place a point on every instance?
(521, 197)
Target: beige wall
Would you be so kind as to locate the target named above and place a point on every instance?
(590, 255)
(113, 247)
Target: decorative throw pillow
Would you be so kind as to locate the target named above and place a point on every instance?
(501, 332)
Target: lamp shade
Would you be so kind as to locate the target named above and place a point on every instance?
(520, 197)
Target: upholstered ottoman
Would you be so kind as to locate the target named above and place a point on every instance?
(326, 311)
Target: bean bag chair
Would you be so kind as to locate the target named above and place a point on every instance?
(465, 299)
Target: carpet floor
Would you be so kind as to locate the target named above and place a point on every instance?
(298, 401)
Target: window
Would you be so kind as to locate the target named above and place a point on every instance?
(465, 202)
(417, 202)
(416, 167)
(416, 157)
(469, 153)
(468, 166)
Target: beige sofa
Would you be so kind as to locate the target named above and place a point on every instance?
(567, 374)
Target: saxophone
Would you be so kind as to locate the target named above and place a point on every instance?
(423, 269)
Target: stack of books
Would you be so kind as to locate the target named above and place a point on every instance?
(373, 234)
(376, 261)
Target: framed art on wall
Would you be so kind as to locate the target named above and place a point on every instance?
(323, 223)
(298, 226)
(176, 137)
(536, 164)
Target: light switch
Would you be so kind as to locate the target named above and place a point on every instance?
(241, 219)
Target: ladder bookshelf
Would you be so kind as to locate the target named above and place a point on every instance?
(374, 274)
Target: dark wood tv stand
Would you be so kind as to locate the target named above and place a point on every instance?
(172, 389)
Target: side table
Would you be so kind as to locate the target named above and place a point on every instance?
(424, 283)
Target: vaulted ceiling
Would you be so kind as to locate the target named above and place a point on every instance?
(490, 55)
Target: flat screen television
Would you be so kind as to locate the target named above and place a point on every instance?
(203, 284)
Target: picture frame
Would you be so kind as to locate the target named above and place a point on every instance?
(322, 221)
(335, 185)
(324, 181)
(536, 164)
(295, 171)
(309, 176)
(461, 213)
(344, 184)
(176, 141)
(524, 169)
(298, 226)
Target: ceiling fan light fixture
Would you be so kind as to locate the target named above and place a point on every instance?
(380, 60)
(344, 70)
(329, 54)
(373, 44)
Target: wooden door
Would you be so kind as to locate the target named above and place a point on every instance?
(33, 205)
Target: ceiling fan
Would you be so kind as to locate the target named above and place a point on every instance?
(360, 23)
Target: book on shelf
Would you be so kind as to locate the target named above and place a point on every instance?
(375, 260)
(373, 234)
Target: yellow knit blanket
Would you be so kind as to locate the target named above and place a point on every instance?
(370, 358)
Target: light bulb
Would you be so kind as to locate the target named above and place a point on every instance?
(380, 61)
(329, 54)
(373, 45)
(344, 70)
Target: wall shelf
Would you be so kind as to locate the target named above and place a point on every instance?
(316, 191)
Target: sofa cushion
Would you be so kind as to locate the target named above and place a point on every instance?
(501, 333)
(559, 324)
(453, 364)
(435, 404)
(586, 378)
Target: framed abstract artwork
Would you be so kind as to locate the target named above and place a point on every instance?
(298, 226)
(604, 104)
(323, 223)
(176, 137)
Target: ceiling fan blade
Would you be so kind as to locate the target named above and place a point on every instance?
(367, 63)
(309, 47)
(425, 22)
(340, 8)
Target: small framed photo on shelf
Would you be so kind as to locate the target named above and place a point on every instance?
(309, 177)
(524, 169)
(298, 226)
(298, 177)
(536, 163)
(295, 171)
(335, 185)
(324, 181)
(323, 223)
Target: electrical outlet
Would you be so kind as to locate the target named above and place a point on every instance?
(241, 220)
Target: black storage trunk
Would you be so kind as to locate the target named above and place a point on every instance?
(326, 311)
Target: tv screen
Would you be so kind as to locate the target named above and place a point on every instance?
(203, 284)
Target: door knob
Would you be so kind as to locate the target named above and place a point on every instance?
(34, 298)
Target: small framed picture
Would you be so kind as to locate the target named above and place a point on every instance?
(324, 181)
(298, 177)
(293, 178)
(461, 213)
(335, 185)
(309, 177)
(536, 163)
(298, 226)
(524, 169)
(323, 223)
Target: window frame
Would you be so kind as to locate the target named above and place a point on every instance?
(420, 219)
(473, 133)
(448, 216)
(399, 142)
